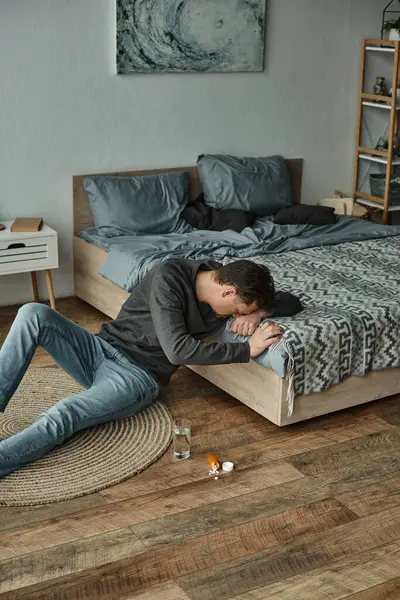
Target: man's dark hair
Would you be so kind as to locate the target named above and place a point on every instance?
(253, 283)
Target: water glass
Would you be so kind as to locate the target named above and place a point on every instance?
(181, 438)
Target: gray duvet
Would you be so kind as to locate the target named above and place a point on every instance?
(130, 257)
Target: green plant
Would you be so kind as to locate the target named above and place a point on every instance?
(392, 24)
(383, 144)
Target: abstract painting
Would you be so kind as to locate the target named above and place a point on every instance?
(157, 36)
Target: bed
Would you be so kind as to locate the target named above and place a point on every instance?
(260, 388)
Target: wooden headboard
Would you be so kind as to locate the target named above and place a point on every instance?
(83, 215)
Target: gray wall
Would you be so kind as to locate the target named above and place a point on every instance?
(63, 110)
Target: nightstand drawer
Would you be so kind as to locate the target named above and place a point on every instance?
(29, 254)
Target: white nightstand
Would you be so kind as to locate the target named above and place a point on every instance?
(29, 252)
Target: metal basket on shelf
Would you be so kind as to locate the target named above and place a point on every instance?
(377, 184)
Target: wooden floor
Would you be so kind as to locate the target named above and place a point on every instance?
(312, 511)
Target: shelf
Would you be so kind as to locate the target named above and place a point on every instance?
(379, 99)
(380, 48)
(379, 159)
(378, 201)
(381, 42)
(374, 204)
(379, 105)
(391, 104)
(373, 152)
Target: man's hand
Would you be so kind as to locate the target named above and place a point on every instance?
(247, 324)
(265, 336)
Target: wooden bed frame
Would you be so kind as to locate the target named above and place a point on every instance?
(259, 388)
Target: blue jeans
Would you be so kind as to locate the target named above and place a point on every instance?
(115, 387)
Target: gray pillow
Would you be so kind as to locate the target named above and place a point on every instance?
(258, 185)
(137, 205)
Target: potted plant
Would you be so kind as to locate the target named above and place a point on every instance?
(383, 144)
(393, 28)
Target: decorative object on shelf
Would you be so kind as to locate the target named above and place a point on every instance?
(159, 36)
(393, 28)
(380, 88)
(383, 144)
(391, 25)
(394, 35)
(380, 144)
(377, 183)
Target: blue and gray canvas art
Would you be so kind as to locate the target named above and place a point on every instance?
(190, 35)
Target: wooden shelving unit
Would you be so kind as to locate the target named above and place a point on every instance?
(389, 104)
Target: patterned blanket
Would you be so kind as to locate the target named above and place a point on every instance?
(351, 321)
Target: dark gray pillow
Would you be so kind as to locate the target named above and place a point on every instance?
(137, 205)
(258, 185)
(201, 216)
(305, 214)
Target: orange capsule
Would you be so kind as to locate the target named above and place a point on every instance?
(212, 462)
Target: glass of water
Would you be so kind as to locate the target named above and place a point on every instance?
(181, 438)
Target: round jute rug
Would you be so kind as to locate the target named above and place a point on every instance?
(93, 459)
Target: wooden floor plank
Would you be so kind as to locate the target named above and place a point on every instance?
(224, 439)
(385, 591)
(392, 415)
(61, 560)
(187, 385)
(388, 409)
(18, 516)
(380, 447)
(165, 591)
(229, 416)
(114, 516)
(298, 557)
(374, 498)
(168, 563)
(339, 581)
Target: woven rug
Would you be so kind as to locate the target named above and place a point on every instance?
(93, 459)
